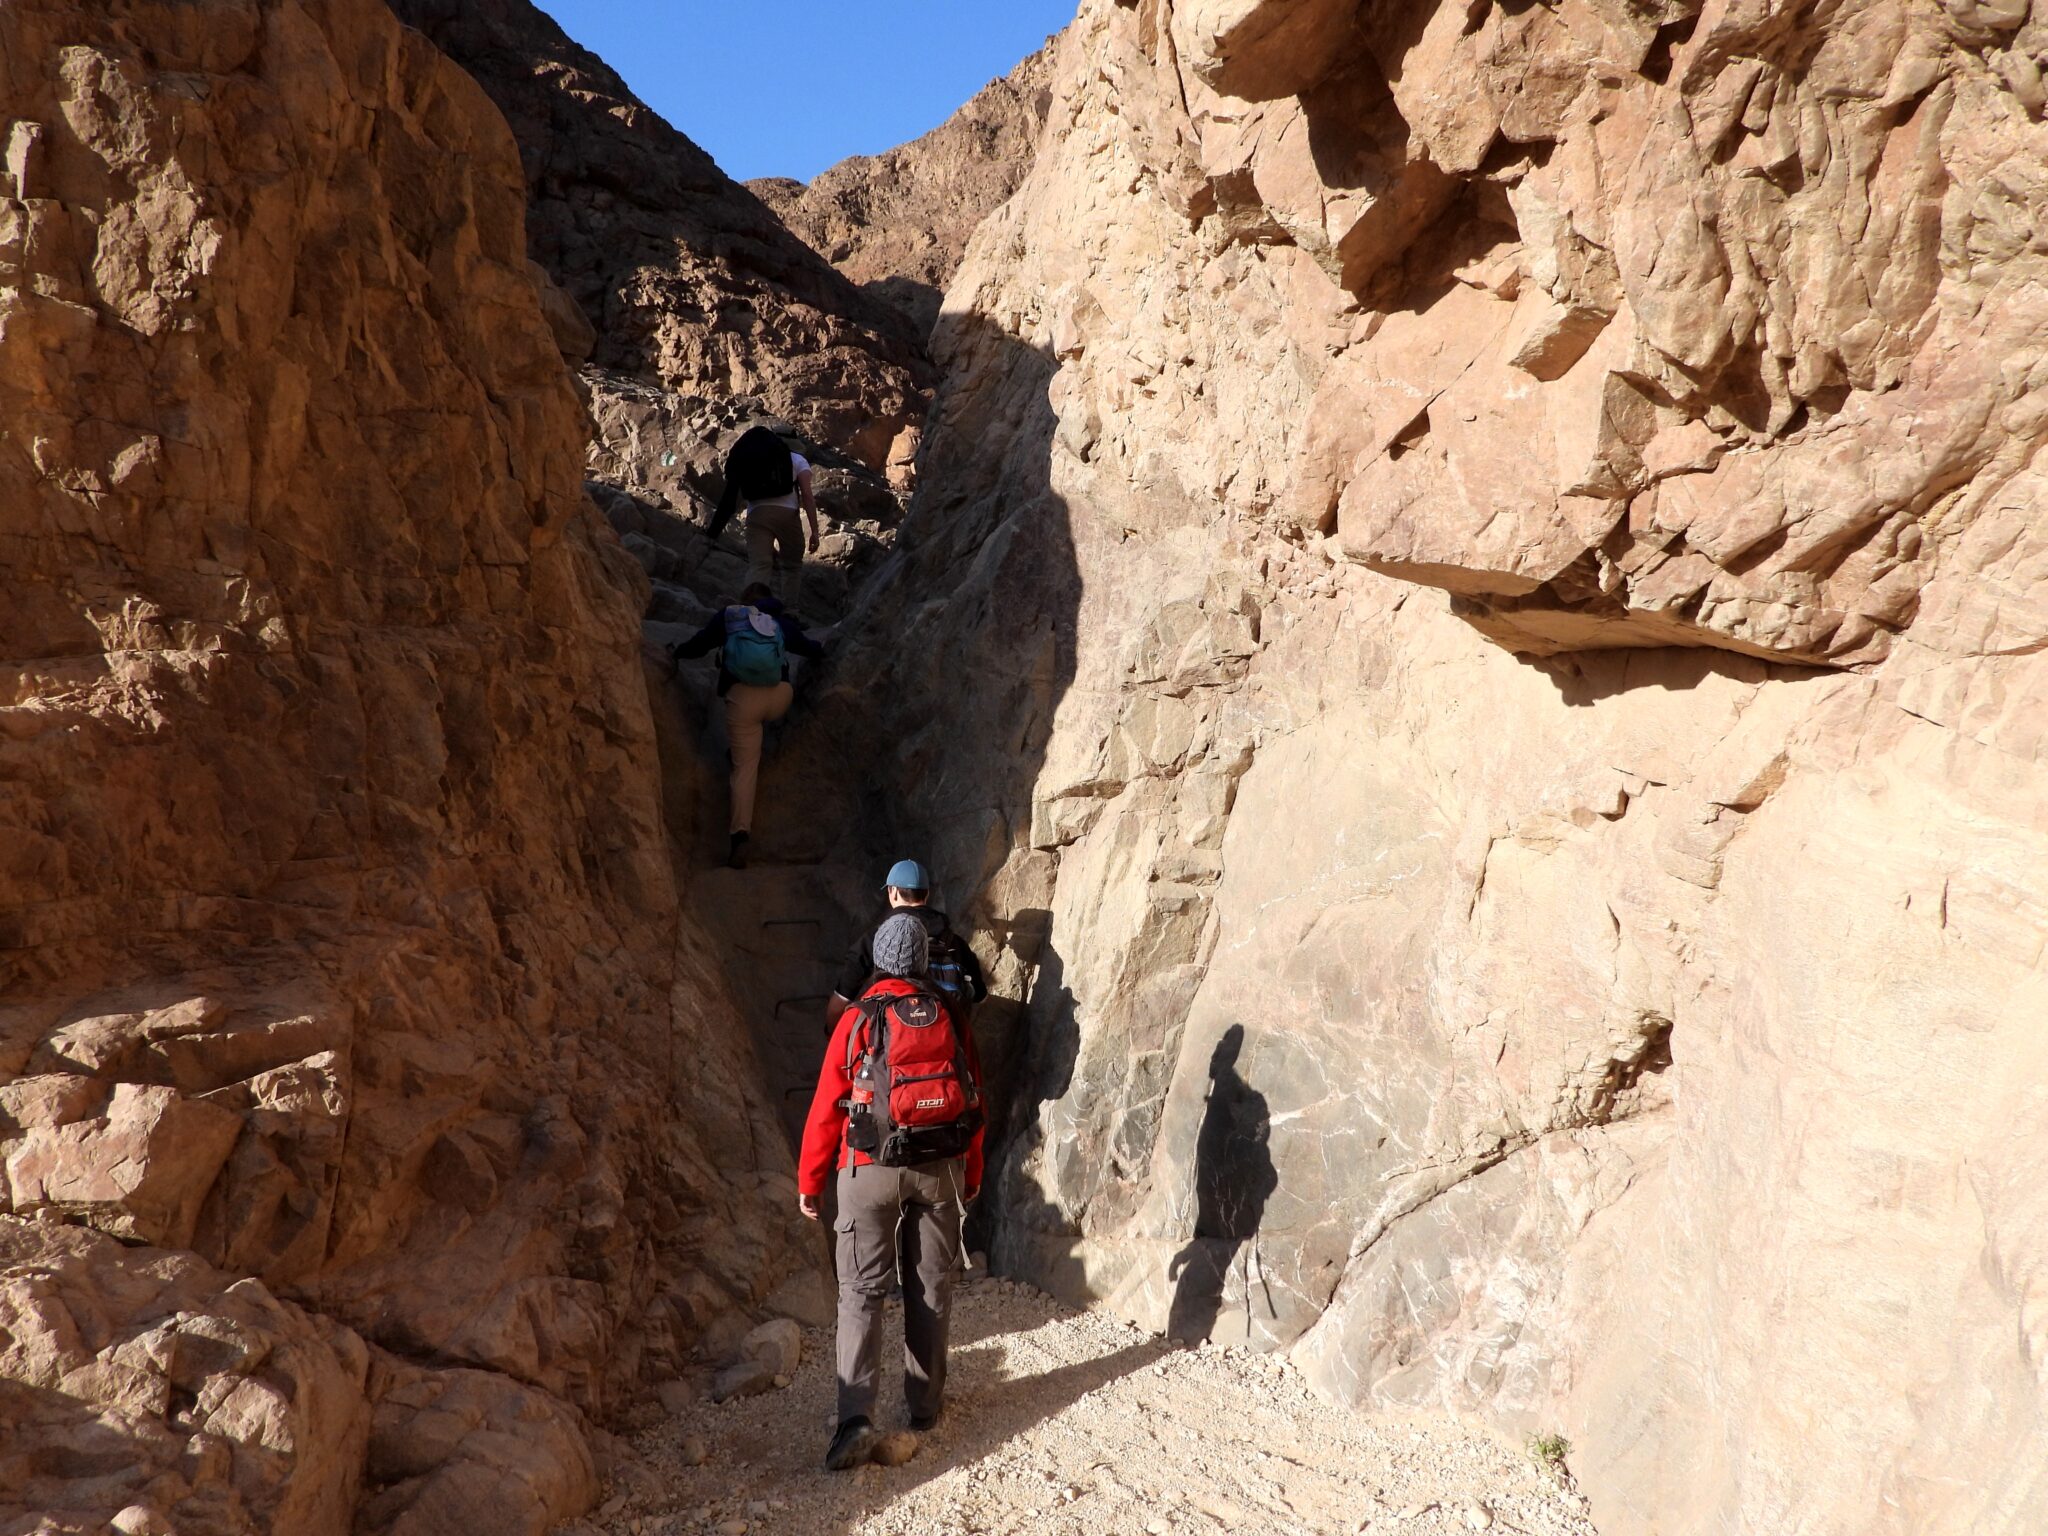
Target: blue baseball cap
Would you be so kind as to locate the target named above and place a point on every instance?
(909, 875)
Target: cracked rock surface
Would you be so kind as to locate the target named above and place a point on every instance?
(898, 223)
(1496, 556)
(346, 996)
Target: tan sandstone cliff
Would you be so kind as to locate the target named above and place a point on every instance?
(1493, 565)
(346, 1015)
(898, 223)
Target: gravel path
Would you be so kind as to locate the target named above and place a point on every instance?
(1064, 1423)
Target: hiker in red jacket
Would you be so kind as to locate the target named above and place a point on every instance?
(898, 1115)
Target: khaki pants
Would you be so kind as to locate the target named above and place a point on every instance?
(879, 1206)
(775, 548)
(748, 708)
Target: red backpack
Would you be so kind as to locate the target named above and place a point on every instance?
(913, 1098)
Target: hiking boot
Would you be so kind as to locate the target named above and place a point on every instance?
(737, 858)
(851, 1446)
(925, 1423)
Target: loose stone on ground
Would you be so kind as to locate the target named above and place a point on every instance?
(1065, 1423)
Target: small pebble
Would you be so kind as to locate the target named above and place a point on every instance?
(781, 1381)
(733, 1528)
(1416, 1511)
(895, 1449)
(1478, 1516)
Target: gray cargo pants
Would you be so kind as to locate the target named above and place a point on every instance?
(878, 1207)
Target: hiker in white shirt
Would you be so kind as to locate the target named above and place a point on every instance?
(774, 482)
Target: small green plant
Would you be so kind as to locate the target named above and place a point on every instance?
(1549, 1452)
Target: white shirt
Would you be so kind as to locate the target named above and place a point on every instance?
(799, 467)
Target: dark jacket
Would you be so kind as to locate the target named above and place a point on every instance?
(712, 638)
(860, 963)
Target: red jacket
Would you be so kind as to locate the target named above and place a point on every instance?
(824, 1149)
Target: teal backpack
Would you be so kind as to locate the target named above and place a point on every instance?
(753, 647)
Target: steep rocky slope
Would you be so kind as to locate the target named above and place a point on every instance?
(347, 1021)
(688, 279)
(898, 223)
(1490, 564)
(696, 311)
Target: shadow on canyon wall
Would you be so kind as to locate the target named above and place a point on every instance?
(1588, 677)
(1234, 1177)
(926, 736)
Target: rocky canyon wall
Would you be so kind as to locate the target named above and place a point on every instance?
(690, 282)
(695, 312)
(1490, 569)
(344, 997)
(898, 223)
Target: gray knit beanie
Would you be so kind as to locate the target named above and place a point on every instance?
(902, 948)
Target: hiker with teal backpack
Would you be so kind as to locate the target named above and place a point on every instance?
(754, 639)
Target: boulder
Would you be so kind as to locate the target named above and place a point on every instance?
(145, 1390)
(768, 1358)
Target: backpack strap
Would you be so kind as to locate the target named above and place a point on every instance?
(872, 1010)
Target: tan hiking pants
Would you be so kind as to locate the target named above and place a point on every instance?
(748, 708)
(775, 548)
(878, 1207)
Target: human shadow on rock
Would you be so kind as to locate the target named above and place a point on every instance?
(1234, 1177)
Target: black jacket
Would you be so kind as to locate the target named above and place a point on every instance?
(860, 962)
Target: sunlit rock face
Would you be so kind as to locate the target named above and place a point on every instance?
(341, 976)
(898, 223)
(1491, 568)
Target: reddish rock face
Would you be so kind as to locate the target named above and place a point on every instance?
(338, 936)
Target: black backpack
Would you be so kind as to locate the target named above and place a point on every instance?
(948, 975)
(760, 465)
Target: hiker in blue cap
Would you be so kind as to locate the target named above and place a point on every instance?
(953, 969)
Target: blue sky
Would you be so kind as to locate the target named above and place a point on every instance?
(788, 87)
